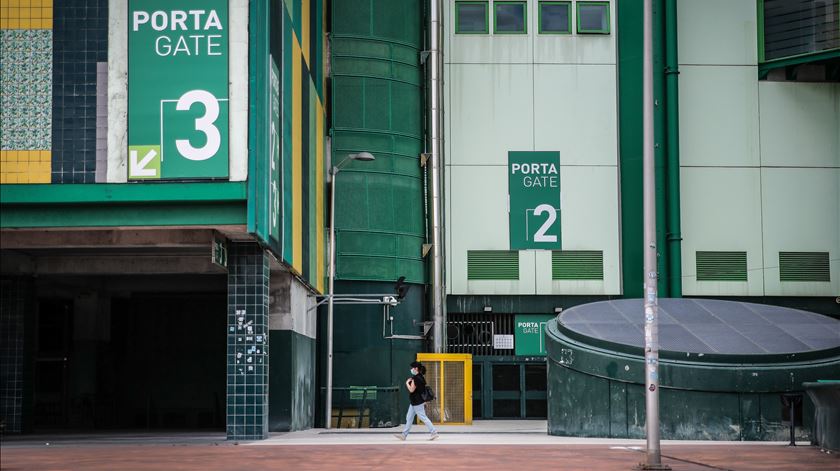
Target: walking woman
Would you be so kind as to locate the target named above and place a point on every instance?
(416, 385)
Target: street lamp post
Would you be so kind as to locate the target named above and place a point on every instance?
(653, 457)
(365, 157)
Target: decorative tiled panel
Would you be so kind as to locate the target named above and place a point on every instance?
(24, 166)
(25, 103)
(26, 14)
(247, 342)
(80, 29)
(13, 296)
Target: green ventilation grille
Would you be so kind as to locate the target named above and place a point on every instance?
(804, 266)
(577, 265)
(721, 266)
(492, 265)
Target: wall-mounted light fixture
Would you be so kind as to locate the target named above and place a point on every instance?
(488, 309)
(558, 310)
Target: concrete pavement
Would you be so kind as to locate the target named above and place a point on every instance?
(513, 445)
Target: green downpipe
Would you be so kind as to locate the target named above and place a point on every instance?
(659, 129)
(672, 109)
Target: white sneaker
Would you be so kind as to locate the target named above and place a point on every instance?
(434, 436)
(400, 436)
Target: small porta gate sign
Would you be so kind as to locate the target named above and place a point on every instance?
(534, 200)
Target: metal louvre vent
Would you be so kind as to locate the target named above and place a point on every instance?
(577, 265)
(721, 266)
(473, 332)
(804, 266)
(492, 265)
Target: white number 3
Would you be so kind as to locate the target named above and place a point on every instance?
(203, 124)
(552, 216)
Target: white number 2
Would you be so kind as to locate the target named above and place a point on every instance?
(203, 124)
(552, 216)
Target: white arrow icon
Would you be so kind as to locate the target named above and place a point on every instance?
(138, 169)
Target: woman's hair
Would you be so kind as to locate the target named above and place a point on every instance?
(420, 368)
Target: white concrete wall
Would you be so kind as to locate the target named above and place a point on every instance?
(539, 93)
(760, 161)
(118, 90)
(290, 304)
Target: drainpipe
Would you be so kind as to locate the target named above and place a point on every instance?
(659, 151)
(434, 166)
(672, 111)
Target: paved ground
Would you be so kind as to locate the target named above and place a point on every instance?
(513, 446)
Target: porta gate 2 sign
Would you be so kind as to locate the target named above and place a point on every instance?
(177, 89)
(530, 333)
(534, 200)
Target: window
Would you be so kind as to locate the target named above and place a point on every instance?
(471, 18)
(555, 17)
(593, 18)
(509, 18)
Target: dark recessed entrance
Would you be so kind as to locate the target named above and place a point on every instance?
(138, 361)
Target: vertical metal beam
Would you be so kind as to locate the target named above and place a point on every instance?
(331, 289)
(435, 129)
(654, 458)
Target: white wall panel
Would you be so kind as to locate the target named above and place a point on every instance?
(588, 221)
(800, 124)
(717, 32)
(801, 214)
(490, 113)
(575, 113)
(478, 220)
(721, 211)
(718, 116)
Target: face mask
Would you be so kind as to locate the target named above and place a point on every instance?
(413, 372)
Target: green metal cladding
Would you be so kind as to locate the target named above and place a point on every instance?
(598, 390)
(377, 107)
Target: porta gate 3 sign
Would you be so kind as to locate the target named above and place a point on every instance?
(534, 200)
(177, 89)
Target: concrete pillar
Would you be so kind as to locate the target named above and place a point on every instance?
(247, 342)
(292, 392)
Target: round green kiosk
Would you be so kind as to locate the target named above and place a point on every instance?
(727, 369)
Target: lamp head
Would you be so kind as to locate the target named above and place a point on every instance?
(363, 156)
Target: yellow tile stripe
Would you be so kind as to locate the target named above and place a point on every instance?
(320, 272)
(297, 167)
(26, 14)
(25, 166)
(304, 30)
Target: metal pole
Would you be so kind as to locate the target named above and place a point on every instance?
(328, 402)
(654, 458)
(436, 207)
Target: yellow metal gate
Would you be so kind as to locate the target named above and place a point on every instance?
(450, 376)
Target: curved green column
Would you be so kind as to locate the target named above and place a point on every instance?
(377, 106)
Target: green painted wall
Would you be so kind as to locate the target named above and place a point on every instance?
(630, 42)
(362, 357)
(101, 205)
(291, 382)
(377, 106)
